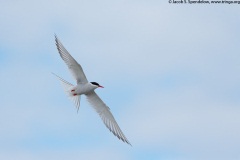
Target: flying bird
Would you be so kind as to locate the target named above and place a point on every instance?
(84, 87)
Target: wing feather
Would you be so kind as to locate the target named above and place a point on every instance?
(104, 112)
(72, 64)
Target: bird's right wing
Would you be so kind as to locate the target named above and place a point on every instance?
(104, 112)
(72, 64)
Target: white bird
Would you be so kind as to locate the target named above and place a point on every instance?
(86, 88)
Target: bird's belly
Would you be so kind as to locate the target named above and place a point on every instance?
(83, 90)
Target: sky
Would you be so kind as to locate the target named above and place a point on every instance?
(170, 72)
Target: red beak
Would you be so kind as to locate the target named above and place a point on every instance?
(100, 86)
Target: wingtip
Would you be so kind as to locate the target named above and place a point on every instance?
(129, 143)
(126, 141)
(56, 38)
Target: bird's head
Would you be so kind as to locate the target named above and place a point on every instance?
(96, 85)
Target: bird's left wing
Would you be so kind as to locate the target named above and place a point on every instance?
(72, 64)
(104, 112)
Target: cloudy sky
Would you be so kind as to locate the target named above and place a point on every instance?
(170, 72)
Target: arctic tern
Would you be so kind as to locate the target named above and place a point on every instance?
(86, 88)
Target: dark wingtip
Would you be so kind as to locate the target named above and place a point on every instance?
(129, 143)
(56, 39)
(126, 141)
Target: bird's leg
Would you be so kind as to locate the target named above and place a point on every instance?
(73, 92)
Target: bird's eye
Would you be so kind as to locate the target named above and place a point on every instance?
(95, 83)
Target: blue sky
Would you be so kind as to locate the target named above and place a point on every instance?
(170, 74)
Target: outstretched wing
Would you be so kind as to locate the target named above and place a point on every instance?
(72, 64)
(104, 112)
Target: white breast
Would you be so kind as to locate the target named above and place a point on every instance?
(84, 88)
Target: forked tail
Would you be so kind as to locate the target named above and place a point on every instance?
(68, 87)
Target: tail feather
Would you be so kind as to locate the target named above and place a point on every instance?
(67, 88)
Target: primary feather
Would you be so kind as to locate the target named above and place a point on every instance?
(72, 64)
(104, 112)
